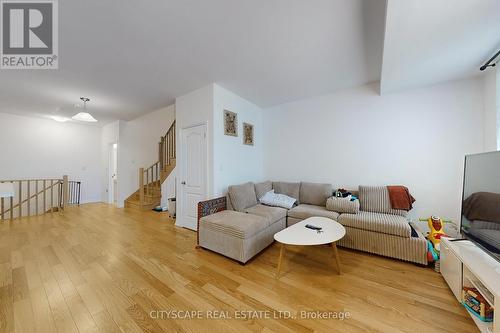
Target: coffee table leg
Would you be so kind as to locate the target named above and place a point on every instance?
(336, 253)
(282, 252)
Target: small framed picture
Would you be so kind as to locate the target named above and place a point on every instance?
(248, 134)
(230, 123)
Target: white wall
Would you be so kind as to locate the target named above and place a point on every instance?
(138, 147)
(234, 162)
(417, 138)
(490, 110)
(34, 148)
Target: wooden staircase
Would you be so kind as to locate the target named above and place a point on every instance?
(148, 195)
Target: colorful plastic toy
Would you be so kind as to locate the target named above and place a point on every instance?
(436, 231)
(435, 224)
(432, 254)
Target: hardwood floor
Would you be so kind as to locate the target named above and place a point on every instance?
(101, 269)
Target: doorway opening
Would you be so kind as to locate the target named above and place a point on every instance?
(113, 173)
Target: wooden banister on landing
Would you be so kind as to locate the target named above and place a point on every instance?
(34, 197)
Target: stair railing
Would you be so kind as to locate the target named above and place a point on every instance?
(34, 197)
(167, 147)
(150, 178)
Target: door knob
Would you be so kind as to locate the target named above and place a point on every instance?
(183, 183)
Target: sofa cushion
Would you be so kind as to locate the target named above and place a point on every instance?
(377, 222)
(376, 199)
(314, 193)
(263, 188)
(342, 205)
(242, 196)
(304, 211)
(229, 205)
(290, 189)
(272, 214)
(236, 224)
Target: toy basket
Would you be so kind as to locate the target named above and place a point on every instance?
(476, 304)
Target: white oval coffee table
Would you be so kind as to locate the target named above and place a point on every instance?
(298, 234)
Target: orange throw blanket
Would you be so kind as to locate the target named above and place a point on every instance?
(400, 198)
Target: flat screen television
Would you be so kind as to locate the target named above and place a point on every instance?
(481, 201)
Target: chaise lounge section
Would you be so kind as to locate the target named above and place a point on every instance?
(379, 229)
(238, 227)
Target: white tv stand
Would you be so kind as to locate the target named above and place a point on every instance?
(465, 264)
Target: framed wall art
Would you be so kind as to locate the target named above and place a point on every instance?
(248, 134)
(230, 123)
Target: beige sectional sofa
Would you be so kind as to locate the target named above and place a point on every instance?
(239, 227)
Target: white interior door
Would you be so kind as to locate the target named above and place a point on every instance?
(193, 178)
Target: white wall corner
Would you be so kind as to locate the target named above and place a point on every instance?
(235, 162)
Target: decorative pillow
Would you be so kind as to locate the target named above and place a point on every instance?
(242, 196)
(314, 193)
(376, 199)
(263, 188)
(342, 205)
(289, 189)
(277, 200)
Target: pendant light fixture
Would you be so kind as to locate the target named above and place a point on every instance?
(84, 116)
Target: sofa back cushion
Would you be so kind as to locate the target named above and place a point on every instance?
(263, 188)
(229, 205)
(242, 196)
(342, 205)
(314, 193)
(290, 189)
(376, 199)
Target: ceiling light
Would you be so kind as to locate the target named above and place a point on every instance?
(60, 119)
(84, 116)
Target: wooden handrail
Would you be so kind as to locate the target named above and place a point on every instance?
(26, 201)
(31, 197)
(26, 180)
(152, 165)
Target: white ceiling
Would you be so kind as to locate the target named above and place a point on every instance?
(431, 41)
(129, 57)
